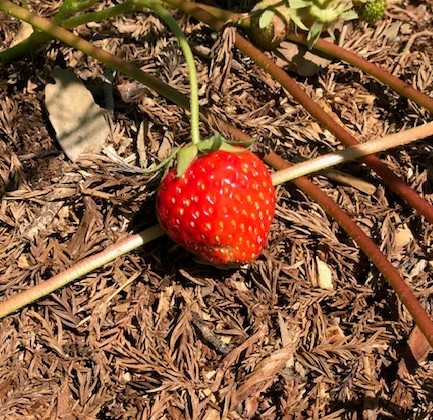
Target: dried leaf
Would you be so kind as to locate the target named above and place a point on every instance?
(324, 275)
(23, 33)
(403, 236)
(79, 123)
(416, 352)
(300, 59)
(263, 374)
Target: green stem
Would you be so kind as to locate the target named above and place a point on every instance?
(190, 63)
(224, 15)
(69, 7)
(99, 54)
(121, 8)
(78, 270)
(37, 39)
(31, 44)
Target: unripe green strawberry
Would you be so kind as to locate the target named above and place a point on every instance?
(372, 11)
(269, 25)
(221, 208)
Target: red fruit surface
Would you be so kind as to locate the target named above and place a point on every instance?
(221, 209)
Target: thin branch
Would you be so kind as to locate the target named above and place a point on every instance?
(382, 75)
(78, 270)
(354, 152)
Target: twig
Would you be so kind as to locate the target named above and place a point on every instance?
(353, 152)
(370, 249)
(39, 155)
(350, 180)
(208, 335)
(407, 48)
(230, 358)
(78, 270)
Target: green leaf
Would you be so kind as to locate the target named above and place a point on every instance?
(185, 157)
(299, 4)
(266, 18)
(349, 15)
(314, 33)
(297, 21)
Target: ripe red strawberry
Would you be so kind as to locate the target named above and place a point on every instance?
(221, 208)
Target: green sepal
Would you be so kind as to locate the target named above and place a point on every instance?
(314, 33)
(185, 157)
(187, 154)
(266, 18)
(162, 164)
(349, 15)
(227, 147)
(211, 144)
(299, 4)
(297, 20)
(218, 142)
(243, 144)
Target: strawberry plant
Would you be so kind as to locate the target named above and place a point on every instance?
(187, 155)
(269, 22)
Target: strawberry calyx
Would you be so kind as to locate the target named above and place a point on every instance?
(187, 154)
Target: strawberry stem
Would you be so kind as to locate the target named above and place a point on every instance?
(189, 58)
(351, 153)
(79, 270)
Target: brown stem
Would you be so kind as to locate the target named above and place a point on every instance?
(382, 75)
(222, 14)
(370, 249)
(395, 183)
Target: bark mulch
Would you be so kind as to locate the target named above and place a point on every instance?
(155, 334)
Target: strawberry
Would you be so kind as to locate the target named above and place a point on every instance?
(372, 10)
(221, 208)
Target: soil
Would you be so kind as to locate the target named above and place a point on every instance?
(158, 335)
